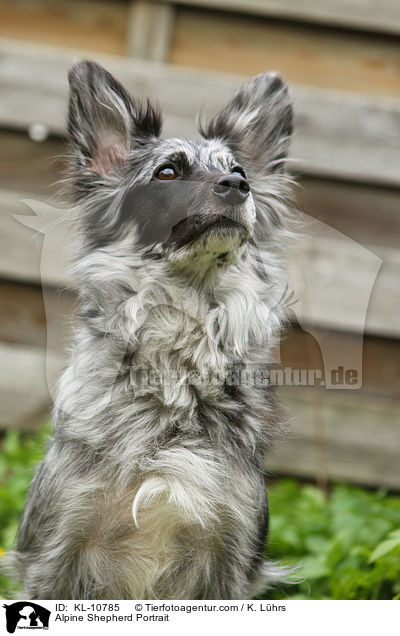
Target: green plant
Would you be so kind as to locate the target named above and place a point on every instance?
(347, 545)
(19, 456)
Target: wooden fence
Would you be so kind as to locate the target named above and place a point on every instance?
(342, 61)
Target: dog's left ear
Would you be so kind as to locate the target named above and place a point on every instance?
(103, 120)
(257, 123)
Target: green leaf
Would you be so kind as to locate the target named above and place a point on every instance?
(385, 547)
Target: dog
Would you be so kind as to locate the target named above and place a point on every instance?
(152, 486)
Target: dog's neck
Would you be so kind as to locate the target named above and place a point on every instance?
(185, 341)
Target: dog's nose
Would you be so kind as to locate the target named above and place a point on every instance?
(232, 188)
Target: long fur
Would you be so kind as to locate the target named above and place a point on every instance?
(152, 485)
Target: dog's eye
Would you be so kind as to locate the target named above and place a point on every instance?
(240, 171)
(166, 173)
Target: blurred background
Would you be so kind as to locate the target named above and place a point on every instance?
(342, 61)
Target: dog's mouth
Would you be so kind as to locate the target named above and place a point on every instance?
(205, 227)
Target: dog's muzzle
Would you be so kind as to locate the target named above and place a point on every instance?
(231, 190)
(201, 225)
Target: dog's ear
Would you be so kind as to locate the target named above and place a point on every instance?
(257, 123)
(103, 120)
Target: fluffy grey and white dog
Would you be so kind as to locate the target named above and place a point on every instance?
(152, 485)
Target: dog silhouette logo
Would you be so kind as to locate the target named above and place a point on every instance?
(26, 615)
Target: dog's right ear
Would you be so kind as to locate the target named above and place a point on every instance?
(103, 120)
(257, 123)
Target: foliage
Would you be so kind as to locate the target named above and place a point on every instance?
(19, 456)
(346, 546)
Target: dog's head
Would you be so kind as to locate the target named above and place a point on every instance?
(193, 205)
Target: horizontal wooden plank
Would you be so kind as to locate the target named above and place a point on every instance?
(302, 53)
(346, 136)
(333, 276)
(35, 317)
(367, 214)
(30, 166)
(337, 133)
(342, 436)
(340, 284)
(98, 25)
(380, 363)
(360, 14)
(22, 245)
(24, 394)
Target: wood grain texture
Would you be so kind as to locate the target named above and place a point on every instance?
(338, 134)
(345, 434)
(34, 248)
(149, 30)
(303, 54)
(341, 284)
(360, 14)
(367, 214)
(28, 313)
(97, 25)
(24, 394)
(31, 166)
(380, 357)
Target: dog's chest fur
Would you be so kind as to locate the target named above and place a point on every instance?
(179, 359)
(184, 341)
